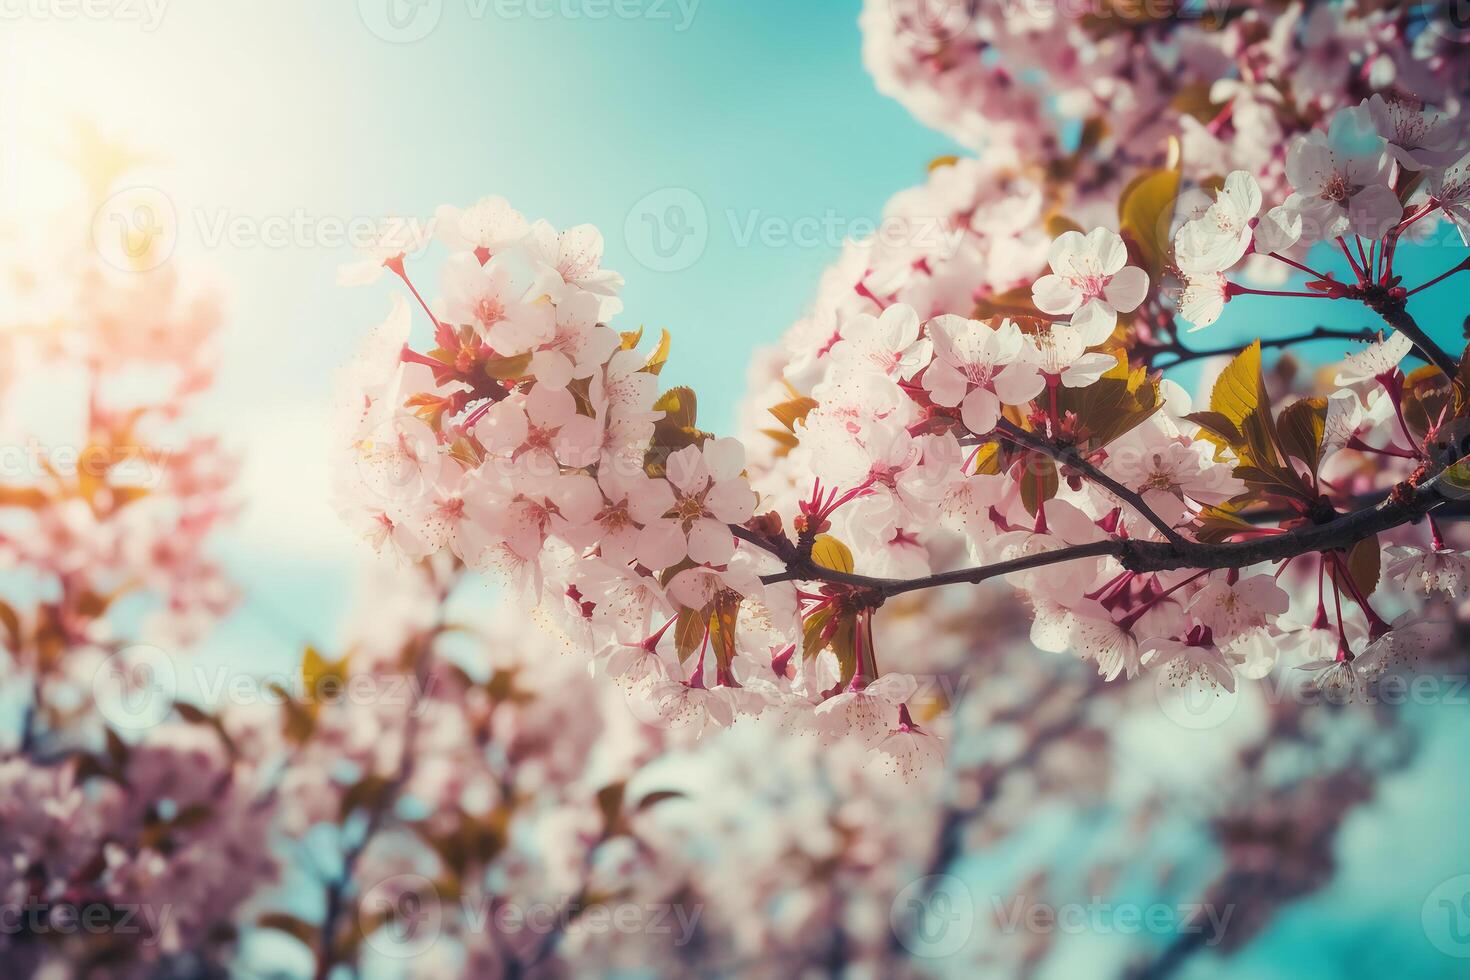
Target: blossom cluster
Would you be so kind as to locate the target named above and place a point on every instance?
(1377, 170)
(1234, 85)
(532, 439)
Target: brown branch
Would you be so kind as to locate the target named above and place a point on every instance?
(1397, 317)
(1070, 456)
(1405, 505)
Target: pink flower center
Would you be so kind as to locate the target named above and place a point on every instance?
(489, 311)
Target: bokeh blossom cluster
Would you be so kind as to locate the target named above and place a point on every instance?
(124, 849)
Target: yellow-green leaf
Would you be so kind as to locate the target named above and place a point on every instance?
(1039, 480)
(1146, 214)
(660, 355)
(1237, 392)
(1302, 426)
(507, 368)
(828, 552)
(689, 631)
(793, 411)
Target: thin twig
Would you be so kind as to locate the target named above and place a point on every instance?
(1184, 354)
(1070, 456)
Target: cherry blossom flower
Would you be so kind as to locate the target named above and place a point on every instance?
(488, 225)
(1193, 662)
(1091, 281)
(542, 431)
(1417, 137)
(863, 712)
(1437, 570)
(979, 368)
(1060, 353)
(1233, 609)
(889, 343)
(1341, 180)
(574, 257)
(501, 301)
(394, 240)
(1230, 227)
(1451, 188)
(1095, 636)
(1374, 361)
(709, 495)
(911, 749)
(1204, 298)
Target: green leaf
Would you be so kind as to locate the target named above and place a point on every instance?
(1220, 523)
(1364, 565)
(1240, 395)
